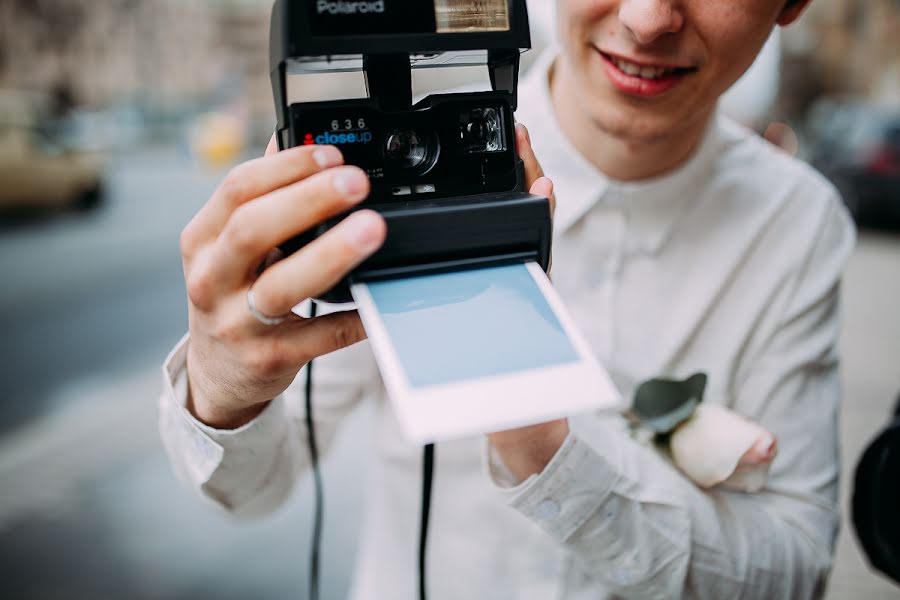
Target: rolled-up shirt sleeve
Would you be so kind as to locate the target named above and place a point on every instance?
(251, 470)
(639, 528)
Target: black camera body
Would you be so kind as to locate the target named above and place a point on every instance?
(444, 146)
(445, 173)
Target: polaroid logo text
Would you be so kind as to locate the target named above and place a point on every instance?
(363, 137)
(343, 7)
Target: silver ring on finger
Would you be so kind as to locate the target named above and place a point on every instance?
(264, 319)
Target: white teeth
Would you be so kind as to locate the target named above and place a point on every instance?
(635, 70)
(630, 68)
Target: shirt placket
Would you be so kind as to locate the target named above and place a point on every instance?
(606, 227)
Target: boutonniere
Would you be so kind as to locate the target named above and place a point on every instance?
(710, 443)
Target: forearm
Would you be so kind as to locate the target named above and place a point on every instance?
(638, 528)
(699, 545)
(528, 450)
(245, 466)
(246, 470)
(251, 468)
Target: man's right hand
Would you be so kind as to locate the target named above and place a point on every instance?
(236, 364)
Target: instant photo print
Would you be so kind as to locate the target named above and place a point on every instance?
(480, 350)
(445, 172)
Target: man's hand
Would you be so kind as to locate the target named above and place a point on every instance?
(527, 450)
(537, 183)
(236, 364)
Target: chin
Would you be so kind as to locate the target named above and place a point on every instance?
(634, 124)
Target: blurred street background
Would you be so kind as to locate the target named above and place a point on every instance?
(118, 118)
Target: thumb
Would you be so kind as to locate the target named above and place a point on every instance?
(544, 187)
(533, 170)
(307, 339)
(535, 181)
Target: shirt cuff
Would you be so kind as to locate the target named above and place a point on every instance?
(570, 489)
(202, 451)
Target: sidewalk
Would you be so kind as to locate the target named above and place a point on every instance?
(90, 509)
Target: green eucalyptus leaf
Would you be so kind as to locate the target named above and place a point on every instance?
(663, 404)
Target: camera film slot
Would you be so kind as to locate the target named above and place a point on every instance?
(479, 350)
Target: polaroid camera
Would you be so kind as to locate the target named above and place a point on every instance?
(445, 173)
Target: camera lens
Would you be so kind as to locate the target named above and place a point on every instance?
(410, 150)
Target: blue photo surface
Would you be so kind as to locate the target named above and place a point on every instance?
(456, 326)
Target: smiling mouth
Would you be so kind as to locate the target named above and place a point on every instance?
(647, 72)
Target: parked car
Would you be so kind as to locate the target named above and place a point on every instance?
(37, 172)
(857, 146)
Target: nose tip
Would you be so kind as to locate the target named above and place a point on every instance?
(648, 20)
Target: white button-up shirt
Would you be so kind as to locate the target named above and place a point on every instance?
(729, 265)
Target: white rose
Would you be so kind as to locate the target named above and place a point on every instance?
(718, 446)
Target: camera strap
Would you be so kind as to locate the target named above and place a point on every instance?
(316, 542)
(427, 484)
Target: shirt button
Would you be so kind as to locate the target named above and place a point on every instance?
(546, 510)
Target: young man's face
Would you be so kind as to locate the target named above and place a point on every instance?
(646, 69)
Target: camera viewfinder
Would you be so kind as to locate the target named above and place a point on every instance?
(481, 131)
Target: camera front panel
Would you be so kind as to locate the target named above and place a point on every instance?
(447, 145)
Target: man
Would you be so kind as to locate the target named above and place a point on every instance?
(682, 243)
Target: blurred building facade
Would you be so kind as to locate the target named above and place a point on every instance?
(163, 54)
(843, 47)
(171, 54)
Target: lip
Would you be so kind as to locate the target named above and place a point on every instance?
(636, 86)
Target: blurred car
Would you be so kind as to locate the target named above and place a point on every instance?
(218, 139)
(37, 172)
(857, 146)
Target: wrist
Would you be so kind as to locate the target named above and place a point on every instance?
(221, 417)
(211, 407)
(527, 451)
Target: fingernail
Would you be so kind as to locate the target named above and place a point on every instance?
(327, 156)
(351, 183)
(364, 229)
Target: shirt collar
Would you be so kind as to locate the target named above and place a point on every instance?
(577, 183)
(653, 206)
